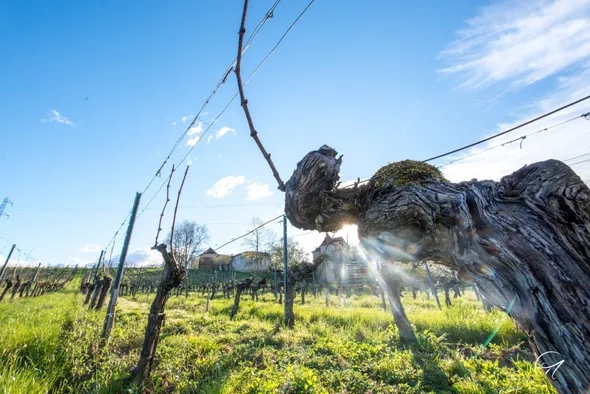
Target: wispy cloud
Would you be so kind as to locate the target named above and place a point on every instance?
(520, 42)
(221, 132)
(225, 186)
(90, 248)
(184, 119)
(258, 190)
(54, 116)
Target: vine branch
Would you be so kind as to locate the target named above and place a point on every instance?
(244, 101)
(175, 210)
(164, 209)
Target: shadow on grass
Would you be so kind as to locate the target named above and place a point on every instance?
(472, 335)
(433, 377)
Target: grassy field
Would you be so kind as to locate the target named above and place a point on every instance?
(51, 344)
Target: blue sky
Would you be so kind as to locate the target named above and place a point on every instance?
(93, 97)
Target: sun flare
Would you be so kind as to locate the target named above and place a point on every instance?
(349, 233)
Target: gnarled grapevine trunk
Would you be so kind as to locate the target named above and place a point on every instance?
(104, 291)
(524, 241)
(172, 277)
(393, 283)
(240, 287)
(294, 275)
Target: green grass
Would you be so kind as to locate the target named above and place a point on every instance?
(51, 344)
(31, 330)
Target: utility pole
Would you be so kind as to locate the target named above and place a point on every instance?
(6, 262)
(110, 316)
(5, 202)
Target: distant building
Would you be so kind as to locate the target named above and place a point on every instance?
(340, 262)
(211, 260)
(251, 262)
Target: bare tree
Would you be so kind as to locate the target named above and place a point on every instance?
(296, 255)
(260, 240)
(188, 241)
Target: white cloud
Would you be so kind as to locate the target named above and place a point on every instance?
(220, 133)
(511, 42)
(193, 140)
(55, 117)
(223, 131)
(81, 262)
(520, 42)
(186, 118)
(91, 248)
(140, 258)
(198, 129)
(258, 190)
(225, 186)
(173, 123)
(194, 134)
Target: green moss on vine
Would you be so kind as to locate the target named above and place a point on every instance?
(405, 172)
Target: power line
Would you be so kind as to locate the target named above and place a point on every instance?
(576, 157)
(280, 40)
(268, 15)
(250, 232)
(579, 162)
(246, 83)
(521, 139)
(206, 131)
(208, 206)
(585, 116)
(512, 129)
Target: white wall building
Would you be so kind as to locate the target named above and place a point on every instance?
(251, 262)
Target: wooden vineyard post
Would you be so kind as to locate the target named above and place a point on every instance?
(6, 262)
(110, 316)
(33, 282)
(285, 258)
(94, 279)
